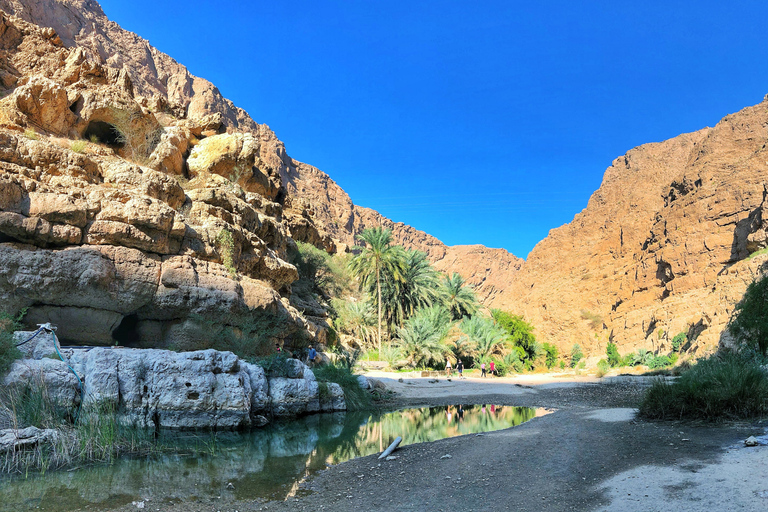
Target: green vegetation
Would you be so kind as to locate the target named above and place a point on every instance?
(724, 386)
(550, 352)
(320, 274)
(459, 299)
(732, 384)
(377, 257)
(8, 351)
(678, 341)
(576, 355)
(98, 436)
(341, 373)
(520, 337)
(355, 318)
(31, 134)
(749, 325)
(758, 252)
(421, 339)
(78, 146)
(614, 359)
(602, 368)
(226, 247)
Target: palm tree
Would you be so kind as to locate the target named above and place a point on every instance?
(418, 288)
(483, 335)
(459, 299)
(421, 338)
(355, 318)
(373, 260)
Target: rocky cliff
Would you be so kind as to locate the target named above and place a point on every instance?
(180, 213)
(188, 217)
(662, 247)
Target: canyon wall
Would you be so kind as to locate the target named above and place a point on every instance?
(662, 247)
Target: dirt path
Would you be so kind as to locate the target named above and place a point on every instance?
(591, 454)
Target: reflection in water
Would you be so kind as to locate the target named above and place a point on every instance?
(267, 463)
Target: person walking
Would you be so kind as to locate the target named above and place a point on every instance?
(311, 356)
(460, 368)
(447, 367)
(482, 370)
(493, 368)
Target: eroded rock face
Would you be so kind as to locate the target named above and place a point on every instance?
(661, 247)
(151, 388)
(83, 76)
(101, 238)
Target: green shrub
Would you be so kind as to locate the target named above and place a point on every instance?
(355, 396)
(576, 355)
(502, 368)
(551, 354)
(226, 246)
(749, 324)
(78, 146)
(275, 365)
(8, 351)
(321, 272)
(678, 341)
(656, 362)
(562, 364)
(31, 134)
(614, 359)
(629, 359)
(724, 386)
(602, 368)
(519, 335)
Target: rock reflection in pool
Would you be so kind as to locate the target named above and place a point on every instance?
(267, 463)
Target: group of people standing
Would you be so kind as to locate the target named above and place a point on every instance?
(460, 368)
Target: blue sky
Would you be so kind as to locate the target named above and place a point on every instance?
(486, 122)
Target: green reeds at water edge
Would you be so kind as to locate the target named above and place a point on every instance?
(97, 436)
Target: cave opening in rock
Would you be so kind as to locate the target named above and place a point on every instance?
(105, 133)
(77, 106)
(127, 333)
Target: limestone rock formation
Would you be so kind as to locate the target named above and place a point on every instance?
(12, 439)
(152, 388)
(100, 237)
(181, 211)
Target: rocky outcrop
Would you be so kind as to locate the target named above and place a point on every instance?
(153, 388)
(12, 439)
(166, 223)
(101, 238)
(662, 247)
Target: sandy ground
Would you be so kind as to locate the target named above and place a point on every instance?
(590, 454)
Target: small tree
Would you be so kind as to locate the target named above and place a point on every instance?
(614, 359)
(551, 354)
(576, 355)
(749, 324)
(678, 341)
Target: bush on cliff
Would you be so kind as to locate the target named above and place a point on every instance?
(724, 386)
